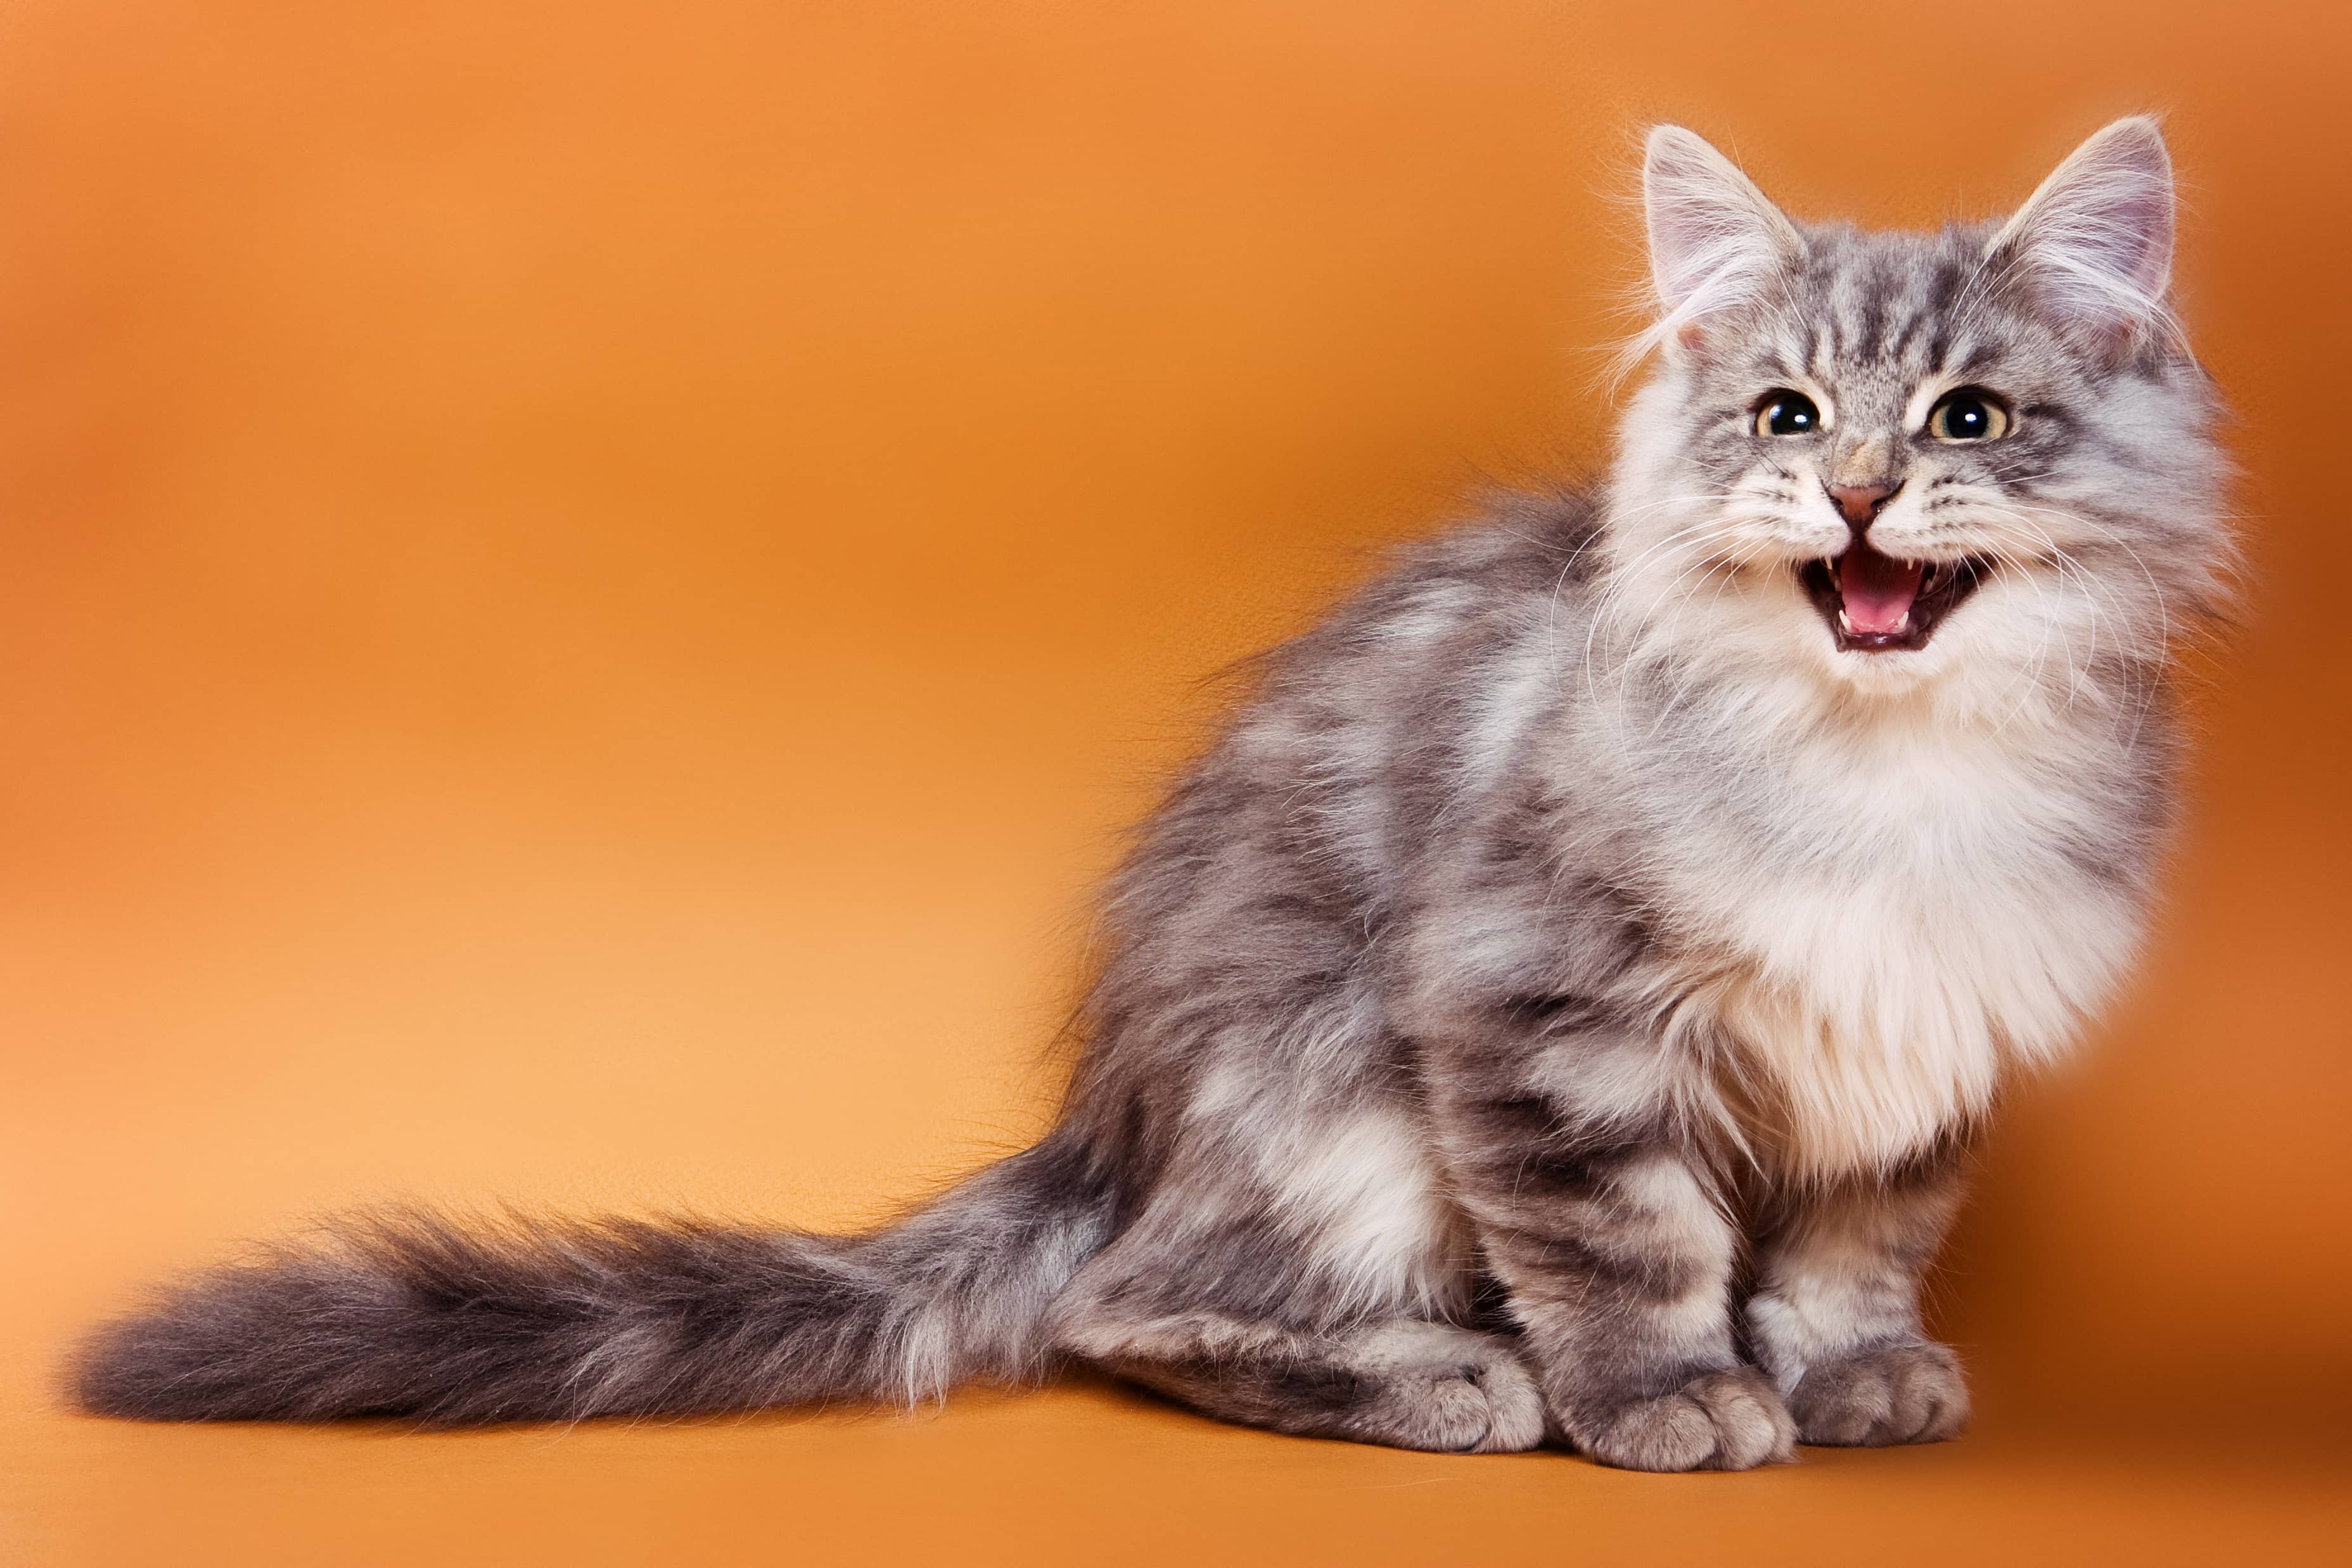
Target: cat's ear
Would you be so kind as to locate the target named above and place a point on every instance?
(2095, 243)
(1715, 241)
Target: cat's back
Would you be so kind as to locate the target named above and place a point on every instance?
(1425, 685)
(1283, 847)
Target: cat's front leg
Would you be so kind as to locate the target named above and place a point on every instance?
(1835, 1316)
(1619, 1263)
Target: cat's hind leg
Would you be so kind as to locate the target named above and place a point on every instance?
(1401, 1382)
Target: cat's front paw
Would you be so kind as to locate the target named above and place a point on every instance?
(1731, 1420)
(1903, 1393)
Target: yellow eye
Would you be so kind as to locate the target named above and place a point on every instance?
(1968, 415)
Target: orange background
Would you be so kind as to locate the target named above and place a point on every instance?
(587, 588)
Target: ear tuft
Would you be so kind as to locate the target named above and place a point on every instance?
(1715, 241)
(2095, 240)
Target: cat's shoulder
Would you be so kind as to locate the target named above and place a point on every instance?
(1521, 550)
(1535, 536)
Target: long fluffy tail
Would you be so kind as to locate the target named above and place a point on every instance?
(407, 1314)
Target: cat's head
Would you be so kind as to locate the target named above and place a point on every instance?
(1977, 466)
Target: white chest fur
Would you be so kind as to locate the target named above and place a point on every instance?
(1909, 926)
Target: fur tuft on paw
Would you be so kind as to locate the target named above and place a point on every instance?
(1731, 1420)
(1901, 1393)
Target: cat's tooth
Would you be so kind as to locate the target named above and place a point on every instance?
(1846, 623)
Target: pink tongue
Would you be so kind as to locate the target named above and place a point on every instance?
(1878, 590)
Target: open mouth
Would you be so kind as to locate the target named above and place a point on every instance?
(1877, 603)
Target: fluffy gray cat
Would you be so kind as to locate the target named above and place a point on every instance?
(1556, 1006)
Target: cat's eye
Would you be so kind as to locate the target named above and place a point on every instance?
(1968, 414)
(1786, 412)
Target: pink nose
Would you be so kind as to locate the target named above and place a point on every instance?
(1861, 502)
